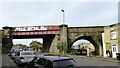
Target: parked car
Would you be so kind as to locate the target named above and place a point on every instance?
(47, 54)
(23, 57)
(81, 52)
(52, 62)
(11, 51)
(14, 52)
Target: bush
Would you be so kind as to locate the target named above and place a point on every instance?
(73, 52)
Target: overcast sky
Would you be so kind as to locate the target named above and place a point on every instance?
(49, 13)
(77, 13)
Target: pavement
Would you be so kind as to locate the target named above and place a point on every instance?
(6, 61)
(108, 59)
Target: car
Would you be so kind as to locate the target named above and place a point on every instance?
(14, 52)
(23, 57)
(11, 51)
(47, 54)
(52, 62)
(81, 52)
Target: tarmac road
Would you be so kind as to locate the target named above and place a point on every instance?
(82, 61)
(89, 61)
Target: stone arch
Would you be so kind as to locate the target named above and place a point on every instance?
(91, 40)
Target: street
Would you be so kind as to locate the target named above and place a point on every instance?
(0, 60)
(82, 61)
(89, 61)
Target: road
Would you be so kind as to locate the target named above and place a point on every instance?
(88, 61)
(0, 60)
(81, 61)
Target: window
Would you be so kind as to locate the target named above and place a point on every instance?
(41, 61)
(113, 34)
(27, 53)
(114, 48)
(45, 62)
(18, 53)
(65, 63)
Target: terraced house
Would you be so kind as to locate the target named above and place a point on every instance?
(111, 42)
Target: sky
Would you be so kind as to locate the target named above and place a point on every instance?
(26, 41)
(78, 13)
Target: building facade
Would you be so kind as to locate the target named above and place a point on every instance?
(111, 44)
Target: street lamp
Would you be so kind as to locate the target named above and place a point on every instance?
(63, 32)
(63, 17)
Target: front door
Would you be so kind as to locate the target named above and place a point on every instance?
(114, 51)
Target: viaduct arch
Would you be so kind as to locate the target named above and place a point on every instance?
(93, 34)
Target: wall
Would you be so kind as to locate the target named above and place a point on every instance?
(53, 49)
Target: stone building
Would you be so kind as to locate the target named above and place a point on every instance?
(88, 46)
(111, 42)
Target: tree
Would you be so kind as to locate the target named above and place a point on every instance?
(5, 40)
(22, 46)
(35, 45)
(60, 47)
(98, 40)
(98, 37)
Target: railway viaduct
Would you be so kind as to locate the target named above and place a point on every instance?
(52, 35)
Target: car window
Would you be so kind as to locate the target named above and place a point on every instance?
(45, 62)
(65, 63)
(18, 54)
(35, 60)
(49, 64)
(41, 61)
(27, 53)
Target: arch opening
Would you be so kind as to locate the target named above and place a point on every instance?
(88, 45)
(28, 44)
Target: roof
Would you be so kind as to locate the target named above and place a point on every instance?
(56, 58)
(116, 24)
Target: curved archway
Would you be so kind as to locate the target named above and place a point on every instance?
(91, 40)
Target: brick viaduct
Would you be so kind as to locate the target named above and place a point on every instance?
(54, 34)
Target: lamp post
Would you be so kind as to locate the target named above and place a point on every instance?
(63, 33)
(63, 16)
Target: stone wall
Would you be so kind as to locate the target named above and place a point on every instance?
(6, 40)
(1, 31)
(119, 38)
(53, 49)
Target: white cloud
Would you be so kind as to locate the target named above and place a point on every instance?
(26, 41)
(107, 16)
(32, 14)
(95, 14)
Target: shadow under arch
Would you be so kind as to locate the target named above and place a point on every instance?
(91, 40)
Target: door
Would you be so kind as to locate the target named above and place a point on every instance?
(114, 51)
